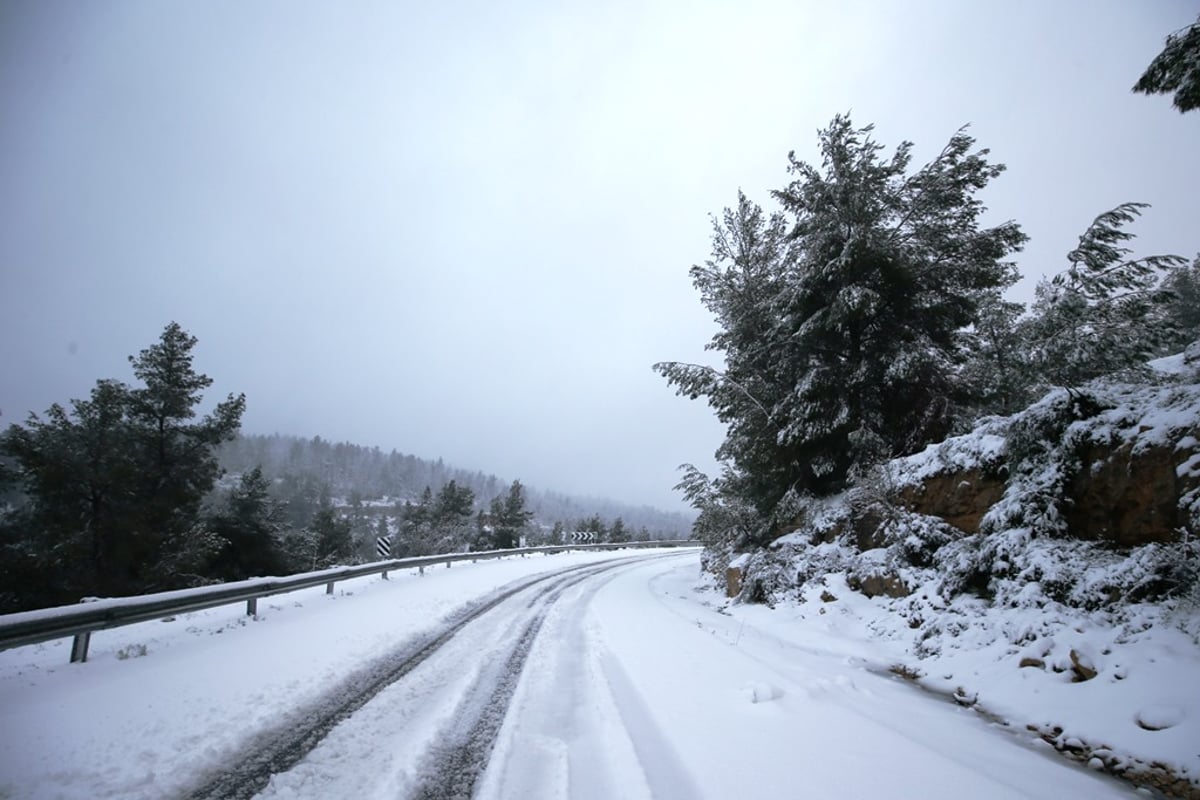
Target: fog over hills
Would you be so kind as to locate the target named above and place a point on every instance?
(349, 469)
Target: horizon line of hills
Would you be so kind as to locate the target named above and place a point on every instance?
(347, 470)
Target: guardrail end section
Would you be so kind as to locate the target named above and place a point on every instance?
(79, 647)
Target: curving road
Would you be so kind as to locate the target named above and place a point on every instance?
(606, 681)
(590, 676)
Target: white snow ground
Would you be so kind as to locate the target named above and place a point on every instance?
(637, 685)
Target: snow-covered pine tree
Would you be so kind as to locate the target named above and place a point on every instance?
(1105, 312)
(509, 517)
(115, 486)
(842, 331)
(249, 524)
(893, 268)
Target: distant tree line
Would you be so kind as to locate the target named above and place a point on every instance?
(303, 470)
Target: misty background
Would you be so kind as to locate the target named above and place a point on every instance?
(463, 230)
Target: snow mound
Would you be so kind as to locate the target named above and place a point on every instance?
(760, 692)
(1159, 717)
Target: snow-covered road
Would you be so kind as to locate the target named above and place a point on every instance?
(581, 675)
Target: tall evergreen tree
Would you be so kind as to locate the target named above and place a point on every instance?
(114, 486)
(453, 505)
(178, 464)
(249, 524)
(842, 339)
(332, 540)
(510, 516)
(77, 469)
(450, 521)
(617, 532)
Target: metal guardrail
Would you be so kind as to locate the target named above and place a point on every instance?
(80, 621)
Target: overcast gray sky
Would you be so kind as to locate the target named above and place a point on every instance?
(463, 229)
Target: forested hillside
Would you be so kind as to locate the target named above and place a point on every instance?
(347, 471)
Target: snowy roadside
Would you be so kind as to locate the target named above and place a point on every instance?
(719, 703)
(160, 703)
(1137, 715)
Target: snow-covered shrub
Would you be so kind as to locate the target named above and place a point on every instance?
(915, 540)
(1015, 570)
(132, 651)
(1042, 452)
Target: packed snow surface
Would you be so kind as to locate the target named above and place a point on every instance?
(630, 682)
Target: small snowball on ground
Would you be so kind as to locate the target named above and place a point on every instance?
(1159, 717)
(760, 692)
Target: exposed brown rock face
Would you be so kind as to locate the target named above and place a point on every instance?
(733, 581)
(959, 498)
(1126, 498)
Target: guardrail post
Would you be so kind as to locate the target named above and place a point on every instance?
(252, 607)
(79, 646)
(385, 577)
(329, 588)
(421, 570)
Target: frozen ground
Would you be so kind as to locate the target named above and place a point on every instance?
(580, 675)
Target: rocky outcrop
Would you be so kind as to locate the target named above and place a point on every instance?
(1130, 493)
(959, 498)
(733, 581)
(1129, 496)
(1115, 467)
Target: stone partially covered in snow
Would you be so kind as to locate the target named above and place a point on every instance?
(1082, 665)
(734, 573)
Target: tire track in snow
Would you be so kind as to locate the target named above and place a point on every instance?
(282, 747)
(453, 767)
